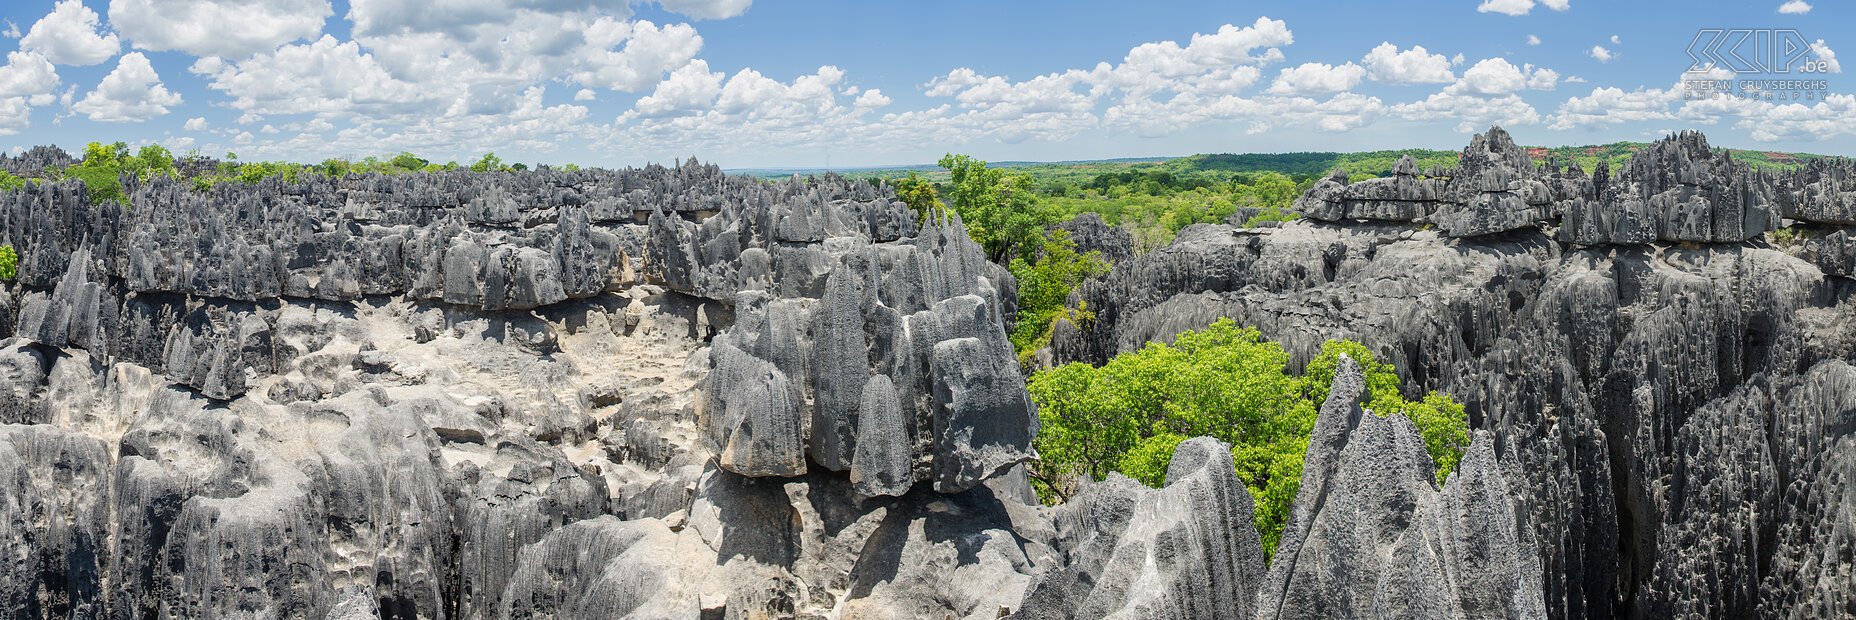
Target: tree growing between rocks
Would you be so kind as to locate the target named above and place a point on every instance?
(1044, 282)
(1001, 211)
(1226, 382)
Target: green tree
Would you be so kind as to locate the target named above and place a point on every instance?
(1224, 382)
(1045, 280)
(1001, 210)
(9, 182)
(489, 163)
(919, 194)
(9, 263)
(408, 162)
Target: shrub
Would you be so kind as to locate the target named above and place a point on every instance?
(9, 263)
(1225, 382)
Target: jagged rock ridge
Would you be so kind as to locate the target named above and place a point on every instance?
(1617, 372)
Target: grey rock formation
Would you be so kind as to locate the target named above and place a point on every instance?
(1091, 234)
(1371, 535)
(1187, 550)
(1403, 197)
(506, 394)
(1606, 375)
(673, 392)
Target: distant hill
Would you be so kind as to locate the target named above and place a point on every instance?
(1300, 166)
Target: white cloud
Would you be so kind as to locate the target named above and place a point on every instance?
(326, 77)
(12, 30)
(228, 28)
(1519, 7)
(197, 123)
(1491, 76)
(1795, 7)
(1509, 7)
(1414, 66)
(1473, 113)
(1614, 40)
(1599, 52)
(585, 94)
(1575, 80)
(1541, 79)
(1484, 96)
(871, 99)
(1824, 53)
(70, 35)
(1219, 63)
(952, 83)
(1610, 105)
(1533, 40)
(648, 53)
(132, 92)
(14, 115)
(707, 9)
(1316, 78)
(691, 88)
(28, 74)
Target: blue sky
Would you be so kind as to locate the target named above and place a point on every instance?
(860, 83)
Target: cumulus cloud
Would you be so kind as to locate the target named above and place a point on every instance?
(1472, 112)
(1533, 40)
(691, 88)
(1491, 76)
(1519, 7)
(14, 115)
(1222, 62)
(29, 75)
(1542, 79)
(1610, 105)
(326, 77)
(873, 98)
(71, 35)
(1417, 65)
(1795, 7)
(1509, 7)
(631, 56)
(132, 92)
(585, 94)
(227, 28)
(1601, 54)
(197, 123)
(707, 9)
(1316, 78)
(1829, 56)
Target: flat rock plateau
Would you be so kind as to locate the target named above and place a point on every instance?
(672, 392)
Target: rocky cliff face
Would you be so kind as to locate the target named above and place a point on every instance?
(1665, 386)
(658, 392)
(670, 392)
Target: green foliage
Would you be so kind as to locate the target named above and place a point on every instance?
(1272, 213)
(1225, 382)
(1044, 282)
(489, 163)
(920, 196)
(9, 263)
(407, 161)
(1147, 461)
(9, 182)
(1000, 210)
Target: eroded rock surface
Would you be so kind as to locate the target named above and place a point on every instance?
(1614, 374)
(579, 393)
